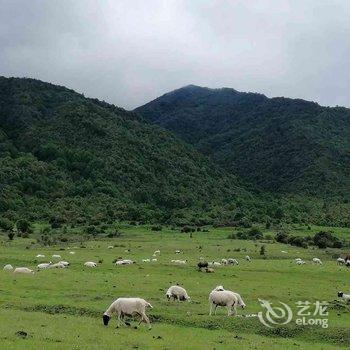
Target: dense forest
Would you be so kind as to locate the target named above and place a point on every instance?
(279, 144)
(67, 158)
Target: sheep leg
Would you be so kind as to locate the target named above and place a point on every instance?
(215, 307)
(211, 309)
(145, 319)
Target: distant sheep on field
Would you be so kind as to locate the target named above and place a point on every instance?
(209, 270)
(202, 265)
(340, 261)
(90, 264)
(232, 261)
(127, 307)
(44, 265)
(345, 297)
(8, 267)
(317, 261)
(40, 256)
(23, 270)
(177, 293)
(248, 258)
(56, 256)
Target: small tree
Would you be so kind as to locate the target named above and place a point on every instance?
(11, 235)
(262, 250)
(23, 225)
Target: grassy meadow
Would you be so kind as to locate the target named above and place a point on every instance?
(62, 308)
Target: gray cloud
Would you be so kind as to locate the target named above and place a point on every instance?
(129, 52)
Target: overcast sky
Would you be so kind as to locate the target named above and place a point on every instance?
(129, 52)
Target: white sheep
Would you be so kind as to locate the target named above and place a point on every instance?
(220, 297)
(44, 265)
(56, 256)
(23, 270)
(128, 307)
(317, 261)
(224, 261)
(8, 267)
(232, 261)
(177, 251)
(65, 263)
(248, 258)
(214, 263)
(179, 262)
(124, 262)
(58, 265)
(156, 252)
(146, 260)
(90, 264)
(340, 261)
(72, 253)
(40, 256)
(177, 293)
(300, 262)
(345, 297)
(154, 260)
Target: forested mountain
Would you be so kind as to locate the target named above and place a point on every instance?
(64, 157)
(280, 145)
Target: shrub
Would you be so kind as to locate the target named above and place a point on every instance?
(325, 239)
(156, 228)
(10, 235)
(282, 237)
(23, 225)
(262, 250)
(6, 224)
(187, 229)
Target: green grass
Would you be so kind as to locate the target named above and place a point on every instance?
(62, 309)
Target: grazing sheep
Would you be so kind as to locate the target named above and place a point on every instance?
(209, 270)
(8, 267)
(300, 262)
(58, 265)
(179, 262)
(317, 261)
(345, 297)
(177, 293)
(340, 261)
(40, 256)
(110, 247)
(202, 265)
(232, 261)
(124, 262)
(177, 251)
(224, 261)
(56, 256)
(154, 260)
(44, 265)
(65, 263)
(127, 307)
(214, 263)
(72, 253)
(146, 260)
(156, 252)
(248, 258)
(23, 270)
(283, 251)
(225, 298)
(90, 264)
(297, 259)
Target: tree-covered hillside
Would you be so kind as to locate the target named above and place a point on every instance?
(278, 145)
(67, 158)
(64, 154)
